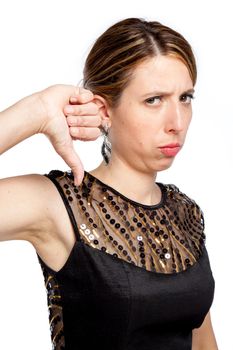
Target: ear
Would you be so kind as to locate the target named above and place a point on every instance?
(103, 109)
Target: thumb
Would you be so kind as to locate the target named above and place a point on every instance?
(73, 161)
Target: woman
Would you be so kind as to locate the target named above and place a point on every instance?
(123, 256)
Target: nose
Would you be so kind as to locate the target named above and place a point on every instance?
(175, 121)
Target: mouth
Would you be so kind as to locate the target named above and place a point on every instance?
(170, 150)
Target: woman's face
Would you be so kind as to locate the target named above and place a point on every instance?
(155, 110)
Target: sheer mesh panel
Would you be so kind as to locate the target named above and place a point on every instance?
(165, 238)
(55, 310)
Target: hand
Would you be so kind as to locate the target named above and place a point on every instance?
(60, 124)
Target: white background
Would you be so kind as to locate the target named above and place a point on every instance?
(46, 42)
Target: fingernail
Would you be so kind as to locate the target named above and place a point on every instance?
(76, 181)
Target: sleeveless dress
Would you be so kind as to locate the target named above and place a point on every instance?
(138, 276)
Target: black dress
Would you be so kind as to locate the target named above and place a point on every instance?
(138, 276)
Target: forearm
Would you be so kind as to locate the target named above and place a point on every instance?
(204, 338)
(20, 121)
(206, 347)
(206, 343)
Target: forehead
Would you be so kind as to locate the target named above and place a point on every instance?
(161, 72)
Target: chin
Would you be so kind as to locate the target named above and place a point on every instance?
(166, 164)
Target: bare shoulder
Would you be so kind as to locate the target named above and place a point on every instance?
(55, 240)
(30, 208)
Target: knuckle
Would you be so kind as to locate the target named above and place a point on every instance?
(79, 121)
(74, 131)
(77, 109)
(84, 98)
(70, 120)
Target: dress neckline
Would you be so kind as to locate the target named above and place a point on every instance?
(145, 206)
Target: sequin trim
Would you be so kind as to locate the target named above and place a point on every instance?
(54, 309)
(167, 238)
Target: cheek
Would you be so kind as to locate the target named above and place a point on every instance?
(142, 133)
(144, 137)
(135, 135)
(132, 125)
(188, 121)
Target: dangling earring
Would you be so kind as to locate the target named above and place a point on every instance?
(106, 146)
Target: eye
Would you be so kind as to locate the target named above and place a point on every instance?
(189, 96)
(152, 99)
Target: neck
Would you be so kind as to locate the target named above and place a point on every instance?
(132, 183)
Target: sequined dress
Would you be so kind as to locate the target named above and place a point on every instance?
(137, 277)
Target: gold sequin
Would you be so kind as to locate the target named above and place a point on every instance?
(55, 310)
(167, 237)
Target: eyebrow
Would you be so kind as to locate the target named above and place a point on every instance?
(165, 93)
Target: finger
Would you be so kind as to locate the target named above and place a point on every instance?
(85, 133)
(72, 159)
(89, 108)
(84, 140)
(86, 121)
(80, 95)
(83, 98)
(82, 90)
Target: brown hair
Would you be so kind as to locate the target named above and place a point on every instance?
(110, 63)
(124, 45)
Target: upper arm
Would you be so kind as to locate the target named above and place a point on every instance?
(203, 337)
(24, 206)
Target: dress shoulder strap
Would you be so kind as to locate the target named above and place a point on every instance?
(63, 184)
